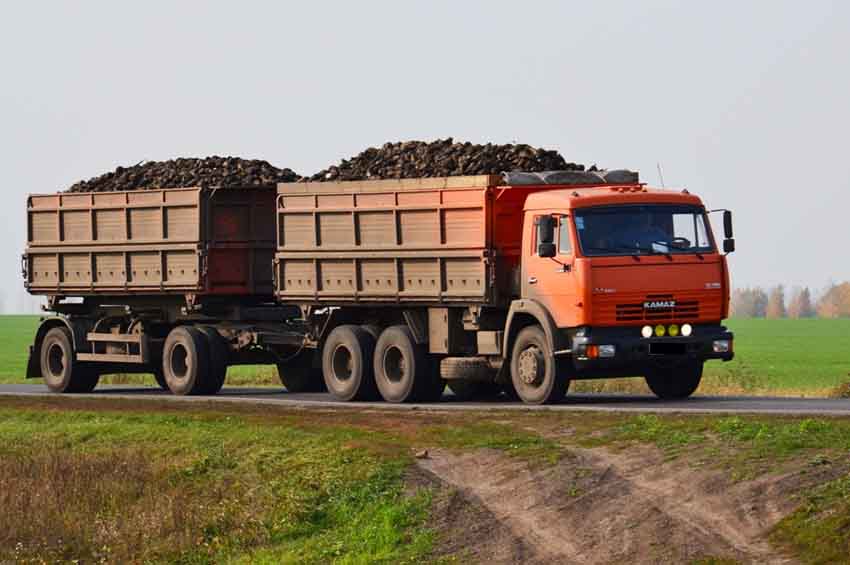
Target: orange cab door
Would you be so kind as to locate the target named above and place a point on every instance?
(551, 280)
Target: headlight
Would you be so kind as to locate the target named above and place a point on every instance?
(687, 330)
(607, 351)
(721, 346)
(646, 331)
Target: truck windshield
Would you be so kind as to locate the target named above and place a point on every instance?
(637, 230)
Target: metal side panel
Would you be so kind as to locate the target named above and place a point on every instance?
(383, 241)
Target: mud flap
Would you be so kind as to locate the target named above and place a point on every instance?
(33, 364)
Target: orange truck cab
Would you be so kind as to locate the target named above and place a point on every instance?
(633, 280)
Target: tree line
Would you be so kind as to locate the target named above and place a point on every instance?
(756, 302)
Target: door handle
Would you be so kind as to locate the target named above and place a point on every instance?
(532, 280)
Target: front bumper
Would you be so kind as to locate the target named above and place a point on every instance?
(632, 353)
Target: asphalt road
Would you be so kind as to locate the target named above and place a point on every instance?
(574, 402)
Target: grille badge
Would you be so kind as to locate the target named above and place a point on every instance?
(659, 304)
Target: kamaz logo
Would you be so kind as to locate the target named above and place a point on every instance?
(659, 305)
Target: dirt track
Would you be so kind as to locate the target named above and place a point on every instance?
(598, 506)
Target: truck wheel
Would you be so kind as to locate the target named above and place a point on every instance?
(403, 370)
(60, 369)
(159, 376)
(219, 354)
(185, 361)
(299, 375)
(671, 383)
(533, 369)
(347, 368)
(465, 390)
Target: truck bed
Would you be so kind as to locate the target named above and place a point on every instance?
(184, 240)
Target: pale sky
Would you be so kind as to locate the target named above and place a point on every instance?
(744, 103)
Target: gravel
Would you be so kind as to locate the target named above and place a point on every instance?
(208, 172)
(443, 158)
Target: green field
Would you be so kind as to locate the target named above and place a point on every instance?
(807, 357)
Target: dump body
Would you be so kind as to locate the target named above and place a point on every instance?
(151, 242)
(431, 240)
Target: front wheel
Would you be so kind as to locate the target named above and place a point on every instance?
(533, 369)
(675, 383)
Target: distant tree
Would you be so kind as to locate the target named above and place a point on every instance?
(776, 303)
(800, 305)
(749, 303)
(835, 302)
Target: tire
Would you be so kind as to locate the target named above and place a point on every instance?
(373, 330)
(186, 361)
(299, 375)
(61, 371)
(159, 376)
(347, 358)
(219, 357)
(403, 371)
(675, 383)
(534, 371)
(464, 368)
(465, 390)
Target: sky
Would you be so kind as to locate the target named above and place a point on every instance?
(745, 103)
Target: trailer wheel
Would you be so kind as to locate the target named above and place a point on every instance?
(671, 383)
(474, 390)
(185, 361)
(347, 358)
(219, 355)
(61, 371)
(403, 371)
(533, 369)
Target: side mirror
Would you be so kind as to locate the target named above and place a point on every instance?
(546, 250)
(546, 236)
(727, 225)
(728, 245)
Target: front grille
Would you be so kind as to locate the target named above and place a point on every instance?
(636, 312)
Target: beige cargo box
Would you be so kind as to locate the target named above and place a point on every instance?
(186, 240)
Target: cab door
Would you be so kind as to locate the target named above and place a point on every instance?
(551, 280)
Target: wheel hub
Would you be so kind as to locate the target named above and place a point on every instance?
(531, 365)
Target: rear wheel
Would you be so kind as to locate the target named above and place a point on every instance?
(534, 371)
(671, 383)
(159, 377)
(403, 371)
(474, 390)
(61, 371)
(219, 355)
(347, 358)
(299, 374)
(185, 361)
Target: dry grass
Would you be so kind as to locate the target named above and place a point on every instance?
(116, 506)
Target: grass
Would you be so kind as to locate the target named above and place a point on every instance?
(782, 357)
(150, 481)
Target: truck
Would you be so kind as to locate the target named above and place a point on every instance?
(515, 284)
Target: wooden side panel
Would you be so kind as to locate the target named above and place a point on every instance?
(384, 241)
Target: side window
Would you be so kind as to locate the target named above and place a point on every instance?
(562, 234)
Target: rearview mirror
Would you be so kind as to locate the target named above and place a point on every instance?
(546, 236)
(727, 224)
(728, 245)
(546, 250)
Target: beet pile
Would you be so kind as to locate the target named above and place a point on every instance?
(209, 172)
(406, 159)
(443, 158)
